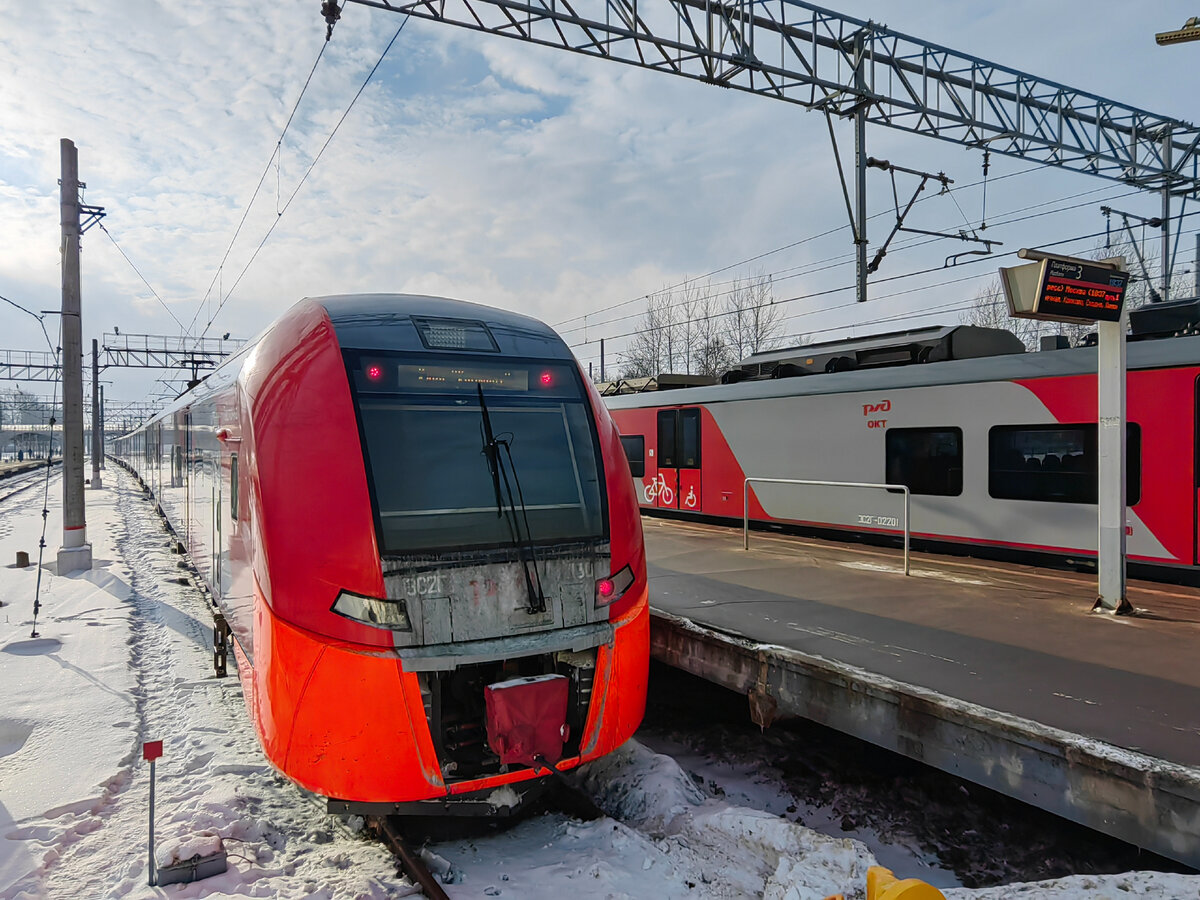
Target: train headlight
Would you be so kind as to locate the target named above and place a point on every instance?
(609, 590)
(390, 614)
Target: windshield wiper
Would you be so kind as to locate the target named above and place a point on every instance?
(491, 450)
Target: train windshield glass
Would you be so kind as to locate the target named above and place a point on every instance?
(429, 463)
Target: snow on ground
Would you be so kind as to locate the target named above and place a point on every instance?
(749, 780)
(123, 655)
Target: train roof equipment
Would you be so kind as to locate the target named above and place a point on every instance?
(1175, 318)
(897, 348)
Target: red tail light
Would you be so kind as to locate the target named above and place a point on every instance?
(613, 588)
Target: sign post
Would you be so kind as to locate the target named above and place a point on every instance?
(1066, 289)
(152, 750)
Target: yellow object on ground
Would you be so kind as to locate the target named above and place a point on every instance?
(883, 885)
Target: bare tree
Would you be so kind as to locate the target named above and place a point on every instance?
(689, 330)
(713, 353)
(990, 310)
(755, 320)
(650, 350)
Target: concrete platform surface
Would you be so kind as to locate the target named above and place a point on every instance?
(1011, 638)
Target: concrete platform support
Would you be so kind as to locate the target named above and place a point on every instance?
(1145, 801)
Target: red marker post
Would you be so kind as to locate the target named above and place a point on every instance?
(152, 750)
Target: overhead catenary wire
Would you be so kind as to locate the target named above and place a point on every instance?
(304, 178)
(37, 591)
(841, 260)
(262, 178)
(56, 351)
(141, 276)
(849, 287)
(40, 319)
(693, 278)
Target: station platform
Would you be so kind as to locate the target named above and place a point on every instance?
(13, 467)
(998, 673)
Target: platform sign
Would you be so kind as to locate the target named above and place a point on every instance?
(1063, 289)
(1071, 290)
(1066, 289)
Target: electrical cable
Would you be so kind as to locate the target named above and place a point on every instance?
(37, 591)
(55, 352)
(258, 187)
(849, 287)
(845, 259)
(785, 247)
(304, 177)
(141, 276)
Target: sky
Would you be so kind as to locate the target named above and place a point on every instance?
(492, 170)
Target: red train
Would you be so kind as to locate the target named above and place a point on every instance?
(415, 516)
(997, 446)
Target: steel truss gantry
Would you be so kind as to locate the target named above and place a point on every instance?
(820, 59)
(136, 351)
(28, 365)
(157, 351)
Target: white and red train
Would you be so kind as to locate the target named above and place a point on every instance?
(997, 446)
(416, 518)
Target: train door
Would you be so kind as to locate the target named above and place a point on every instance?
(666, 482)
(677, 485)
(1196, 474)
(186, 457)
(218, 490)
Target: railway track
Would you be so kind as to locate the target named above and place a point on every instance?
(386, 830)
(563, 797)
(12, 485)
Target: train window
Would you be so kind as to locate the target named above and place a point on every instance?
(427, 458)
(1055, 463)
(926, 460)
(635, 452)
(233, 486)
(454, 334)
(666, 439)
(689, 438)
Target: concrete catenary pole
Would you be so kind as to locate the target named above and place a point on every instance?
(97, 441)
(76, 552)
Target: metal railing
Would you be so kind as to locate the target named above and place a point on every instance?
(853, 484)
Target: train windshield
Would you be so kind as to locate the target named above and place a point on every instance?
(437, 482)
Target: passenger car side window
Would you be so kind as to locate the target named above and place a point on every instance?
(926, 460)
(635, 451)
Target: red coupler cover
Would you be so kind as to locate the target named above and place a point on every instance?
(527, 718)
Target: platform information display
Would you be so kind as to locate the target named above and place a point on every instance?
(1071, 290)
(1064, 289)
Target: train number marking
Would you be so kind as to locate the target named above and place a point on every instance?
(882, 521)
(422, 584)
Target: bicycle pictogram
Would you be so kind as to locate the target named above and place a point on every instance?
(660, 490)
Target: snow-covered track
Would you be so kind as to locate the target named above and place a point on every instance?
(384, 828)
